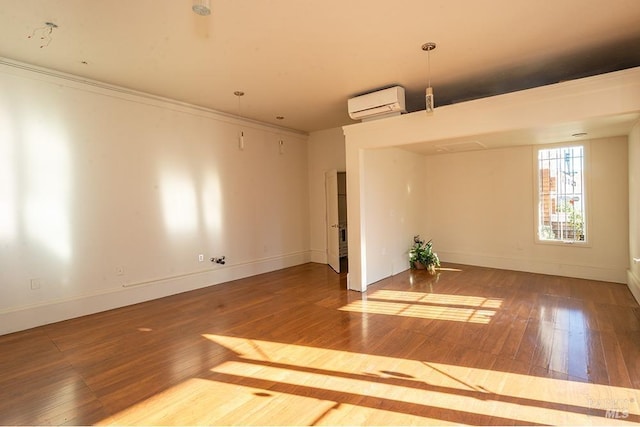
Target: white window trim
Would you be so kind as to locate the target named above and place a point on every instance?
(586, 194)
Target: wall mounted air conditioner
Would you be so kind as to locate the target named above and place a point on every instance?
(379, 104)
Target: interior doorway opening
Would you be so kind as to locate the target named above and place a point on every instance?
(342, 222)
(337, 231)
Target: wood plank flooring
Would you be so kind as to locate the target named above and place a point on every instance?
(293, 347)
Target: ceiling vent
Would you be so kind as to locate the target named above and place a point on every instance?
(456, 147)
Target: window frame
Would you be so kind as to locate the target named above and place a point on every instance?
(586, 170)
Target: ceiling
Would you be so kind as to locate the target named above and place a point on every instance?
(302, 59)
(590, 128)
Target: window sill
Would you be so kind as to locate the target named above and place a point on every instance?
(575, 243)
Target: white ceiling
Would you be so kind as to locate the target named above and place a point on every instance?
(302, 59)
(590, 128)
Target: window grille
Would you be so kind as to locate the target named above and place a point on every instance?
(561, 194)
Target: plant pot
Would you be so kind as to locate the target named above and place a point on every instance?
(419, 266)
(431, 268)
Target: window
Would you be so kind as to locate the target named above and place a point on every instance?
(561, 215)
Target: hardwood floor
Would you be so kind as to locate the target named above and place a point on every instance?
(293, 347)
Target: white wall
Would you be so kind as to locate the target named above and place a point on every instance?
(394, 199)
(481, 212)
(326, 151)
(633, 279)
(93, 180)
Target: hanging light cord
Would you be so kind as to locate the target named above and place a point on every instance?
(239, 94)
(428, 47)
(429, 66)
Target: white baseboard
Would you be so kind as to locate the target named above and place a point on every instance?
(15, 319)
(319, 256)
(633, 282)
(590, 272)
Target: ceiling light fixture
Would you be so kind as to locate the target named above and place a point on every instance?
(202, 7)
(240, 94)
(429, 101)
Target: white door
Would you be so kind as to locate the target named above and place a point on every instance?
(333, 226)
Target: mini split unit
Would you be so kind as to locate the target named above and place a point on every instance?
(379, 104)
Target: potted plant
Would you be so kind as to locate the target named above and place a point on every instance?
(421, 255)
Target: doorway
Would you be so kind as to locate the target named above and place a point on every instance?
(336, 202)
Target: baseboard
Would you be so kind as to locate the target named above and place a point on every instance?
(26, 317)
(590, 272)
(319, 256)
(633, 282)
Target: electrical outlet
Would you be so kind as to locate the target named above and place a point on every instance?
(201, 258)
(36, 284)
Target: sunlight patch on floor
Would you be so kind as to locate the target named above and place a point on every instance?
(431, 298)
(421, 311)
(424, 385)
(271, 383)
(203, 402)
